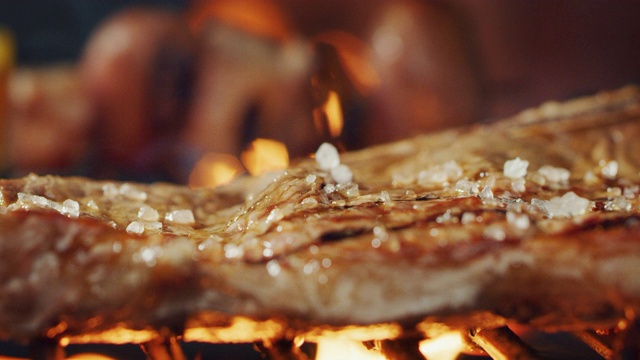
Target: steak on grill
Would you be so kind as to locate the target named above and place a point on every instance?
(534, 219)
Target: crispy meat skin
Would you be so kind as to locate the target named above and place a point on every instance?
(396, 250)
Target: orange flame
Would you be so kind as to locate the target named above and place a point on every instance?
(329, 114)
(334, 114)
(215, 169)
(264, 155)
(446, 346)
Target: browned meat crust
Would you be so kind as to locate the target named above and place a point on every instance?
(440, 229)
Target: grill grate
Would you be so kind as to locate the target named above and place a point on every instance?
(496, 343)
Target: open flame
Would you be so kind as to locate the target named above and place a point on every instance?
(329, 115)
(446, 346)
(215, 169)
(330, 348)
(265, 155)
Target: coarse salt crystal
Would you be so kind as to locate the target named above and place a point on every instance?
(516, 168)
(568, 205)
(329, 188)
(342, 174)
(147, 213)
(183, 216)
(618, 204)
(92, 205)
(610, 170)
(135, 227)
(351, 190)
(518, 185)
(153, 225)
(440, 174)
(554, 174)
(310, 179)
(467, 187)
(131, 193)
(36, 200)
(486, 193)
(70, 208)
(110, 190)
(327, 157)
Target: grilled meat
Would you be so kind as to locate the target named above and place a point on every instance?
(534, 219)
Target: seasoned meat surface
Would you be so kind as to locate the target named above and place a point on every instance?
(534, 219)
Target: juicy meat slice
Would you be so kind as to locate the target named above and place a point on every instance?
(533, 219)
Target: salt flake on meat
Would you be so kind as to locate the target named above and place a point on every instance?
(566, 206)
(467, 187)
(554, 174)
(184, 216)
(610, 170)
(342, 174)
(486, 193)
(147, 213)
(440, 174)
(516, 168)
(130, 192)
(70, 208)
(327, 157)
(135, 227)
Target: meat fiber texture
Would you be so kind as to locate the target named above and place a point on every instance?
(533, 219)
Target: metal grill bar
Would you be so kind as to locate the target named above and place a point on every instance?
(502, 343)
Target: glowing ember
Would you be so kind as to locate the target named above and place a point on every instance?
(336, 348)
(444, 347)
(265, 155)
(215, 169)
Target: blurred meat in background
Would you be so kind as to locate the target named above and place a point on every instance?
(165, 91)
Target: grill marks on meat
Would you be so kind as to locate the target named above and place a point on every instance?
(413, 237)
